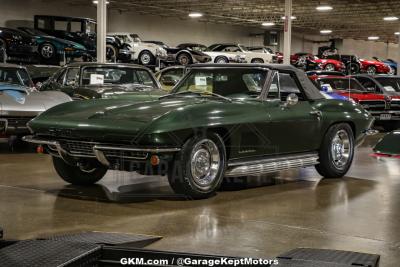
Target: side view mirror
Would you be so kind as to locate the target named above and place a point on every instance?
(291, 100)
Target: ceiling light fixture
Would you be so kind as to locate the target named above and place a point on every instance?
(267, 24)
(96, 2)
(392, 18)
(373, 38)
(292, 17)
(325, 31)
(195, 14)
(397, 33)
(324, 8)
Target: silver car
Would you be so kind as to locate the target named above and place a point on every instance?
(20, 101)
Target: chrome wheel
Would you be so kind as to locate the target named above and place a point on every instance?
(183, 59)
(221, 61)
(205, 162)
(47, 51)
(329, 67)
(341, 149)
(391, 70)
(145, 58)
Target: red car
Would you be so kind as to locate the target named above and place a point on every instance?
(300, 59)
(375, 103)
(373, 67)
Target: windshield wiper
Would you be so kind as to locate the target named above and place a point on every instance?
(197, 93)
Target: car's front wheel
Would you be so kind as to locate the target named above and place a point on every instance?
(198, 169)
(86, 174)
(330, 67)
(146, 58)
(336, 152)
(47, 51)
(184, 59)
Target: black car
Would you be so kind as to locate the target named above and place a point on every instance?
(75, 29)
(185, 54)
(87, 80)
(18, 45)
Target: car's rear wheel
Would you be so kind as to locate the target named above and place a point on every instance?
(198, 169)
(184, 59)
(47, 51)
(257, 60)
(146, 58)
(86, 174)
(336, 152)
(353, 68)
(329, 67)
(221, 60)
(371, 70)
(111, 53)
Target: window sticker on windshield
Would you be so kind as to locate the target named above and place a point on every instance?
(389, 88)
(96, 79)
(201, 81)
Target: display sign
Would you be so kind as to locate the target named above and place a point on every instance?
(96, 79)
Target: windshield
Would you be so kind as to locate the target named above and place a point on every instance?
(228, 82)
(389, 84)
(341, 84)
(15, 76)
(90, 27)
(135, 38)
(95, 76)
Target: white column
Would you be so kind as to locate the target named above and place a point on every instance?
(287, 37)
(398, 55)
(101, 30)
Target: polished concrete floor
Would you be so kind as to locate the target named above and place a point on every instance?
(260, 218)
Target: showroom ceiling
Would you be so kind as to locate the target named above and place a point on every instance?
(354, 19)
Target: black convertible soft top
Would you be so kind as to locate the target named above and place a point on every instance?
(310, 89)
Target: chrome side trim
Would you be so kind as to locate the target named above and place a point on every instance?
(259, 167)
(151, 150)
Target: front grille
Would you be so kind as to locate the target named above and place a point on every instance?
(85, 149)
(78, 147)
(395, 105)
(18, 121)
(373, 104)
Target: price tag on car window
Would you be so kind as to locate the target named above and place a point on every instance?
(96, 79)
(389, 88)
(201, 81)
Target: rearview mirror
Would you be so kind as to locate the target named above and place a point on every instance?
(38, 85)
(70, 83)
(291, 100)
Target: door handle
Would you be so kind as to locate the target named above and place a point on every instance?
(316, 112)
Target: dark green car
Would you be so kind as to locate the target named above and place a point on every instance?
(219, 121)
(88, 80)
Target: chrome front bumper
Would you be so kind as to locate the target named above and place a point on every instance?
(56, 149)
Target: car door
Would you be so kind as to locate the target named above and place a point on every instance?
(291, 128)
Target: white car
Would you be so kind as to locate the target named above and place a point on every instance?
(143, 53)
(225, 53)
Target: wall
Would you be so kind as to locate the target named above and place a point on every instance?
(172, 31)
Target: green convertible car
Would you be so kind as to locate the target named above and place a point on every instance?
(219, 121)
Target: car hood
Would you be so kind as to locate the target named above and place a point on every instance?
(107, 117)
(25, 103)
(359, 95)
(372, 62)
